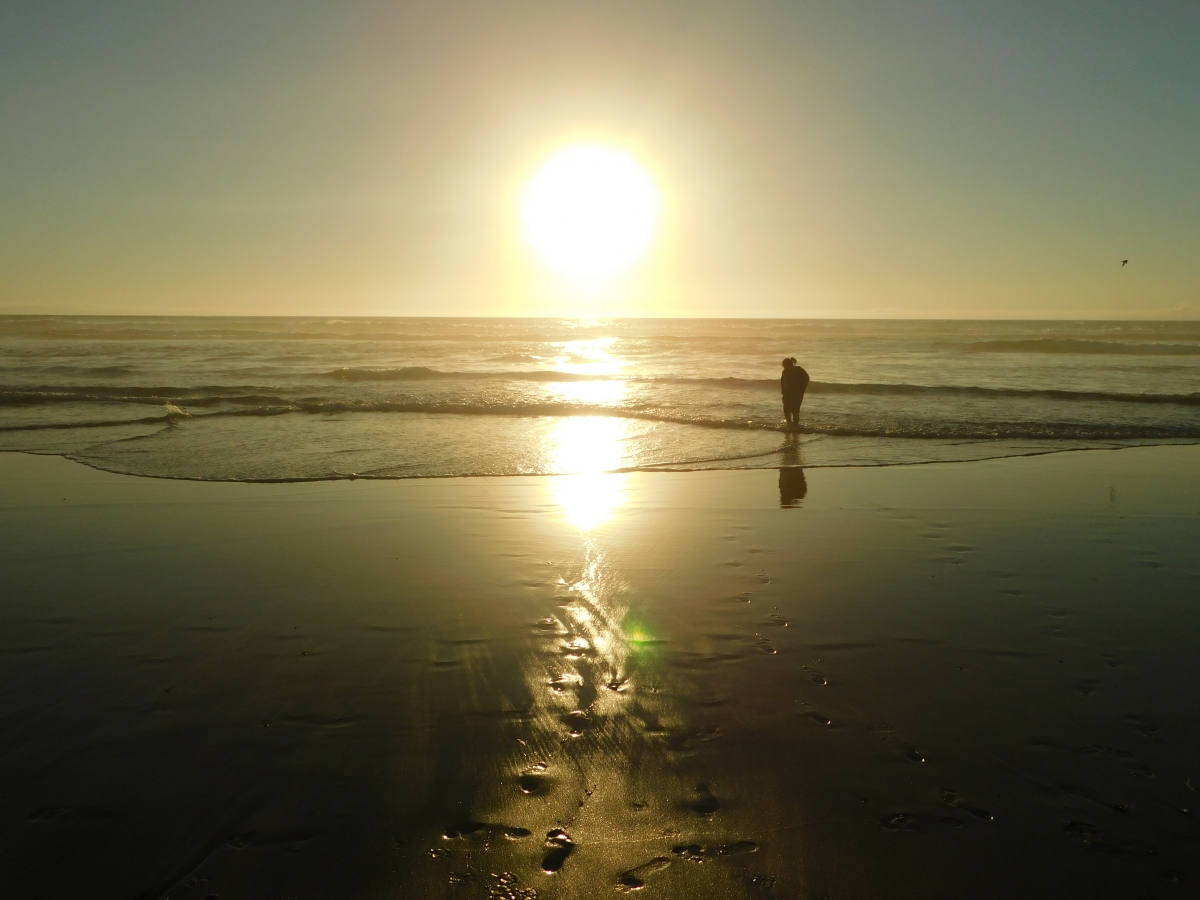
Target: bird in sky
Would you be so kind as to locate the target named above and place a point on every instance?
(1124, 263)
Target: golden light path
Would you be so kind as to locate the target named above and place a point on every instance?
(587, 665)
(590, 212)
(589, 447)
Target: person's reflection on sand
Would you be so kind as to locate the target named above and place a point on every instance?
(792, 487)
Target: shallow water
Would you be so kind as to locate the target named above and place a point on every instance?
(964, 680)
(279, 399)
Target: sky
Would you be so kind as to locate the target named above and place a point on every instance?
(958, 159)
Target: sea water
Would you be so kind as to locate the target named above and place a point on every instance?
(263, 399)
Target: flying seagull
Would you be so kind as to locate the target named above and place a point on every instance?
(1124, 263)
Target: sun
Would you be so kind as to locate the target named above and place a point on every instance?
(590, 212)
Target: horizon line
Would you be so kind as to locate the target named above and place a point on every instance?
(596, 318)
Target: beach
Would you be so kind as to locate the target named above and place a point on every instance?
(526, 451)
(948, 680)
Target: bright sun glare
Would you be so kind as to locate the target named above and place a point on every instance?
(589, 448)
(590, 212)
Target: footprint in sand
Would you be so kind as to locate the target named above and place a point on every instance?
(534, 780)
(701, 853)
(1142, 725)
(951, 798)
(707, 805)
(558, 847)
(577, 722)
(913, 822)
(484, 829)
(635, 879)
(506, 886)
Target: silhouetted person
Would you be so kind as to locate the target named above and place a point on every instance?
(793, 383)
(793, 487)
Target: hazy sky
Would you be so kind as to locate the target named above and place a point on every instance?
(954, 158)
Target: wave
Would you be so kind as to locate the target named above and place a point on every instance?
(202, 396)
(1014, 393)
(1073, 337)
(516, 358)
(969, 431)
(948, 390)
(85, 371)
(421, 373)
(926, 431)
(250, 395)
(1075, 345)
(167, 418)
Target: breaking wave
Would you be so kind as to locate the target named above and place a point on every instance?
(251, 395)
(1073, 345)
(918, 430)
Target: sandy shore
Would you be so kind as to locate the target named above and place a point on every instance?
(960, 680)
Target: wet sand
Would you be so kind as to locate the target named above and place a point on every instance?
(958, 680)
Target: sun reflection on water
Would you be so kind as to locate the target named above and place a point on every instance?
(589, 357)
(587, 449)
(594, 393)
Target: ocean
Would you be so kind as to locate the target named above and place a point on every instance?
(278, 399)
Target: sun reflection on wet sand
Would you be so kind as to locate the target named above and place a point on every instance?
(593, 646)
(583, 759)
(589, 448)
